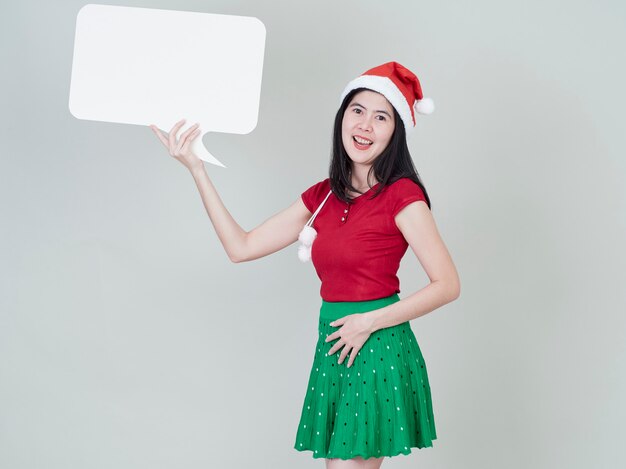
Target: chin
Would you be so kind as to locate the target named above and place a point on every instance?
(362, 161)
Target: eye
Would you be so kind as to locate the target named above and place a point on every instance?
(382, 118)
(357, 110)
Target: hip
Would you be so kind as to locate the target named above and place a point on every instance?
(332, 310)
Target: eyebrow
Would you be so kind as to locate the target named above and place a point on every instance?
(379, 110)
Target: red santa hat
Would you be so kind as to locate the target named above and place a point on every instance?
(401, 88)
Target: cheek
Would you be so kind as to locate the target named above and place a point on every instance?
(386, 134)
(346, 128)
(346, 123)
(345, 137)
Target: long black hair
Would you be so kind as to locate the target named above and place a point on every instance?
(393, 163)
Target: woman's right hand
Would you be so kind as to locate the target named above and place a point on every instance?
(179, 149)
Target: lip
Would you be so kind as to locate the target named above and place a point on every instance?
(360, 147)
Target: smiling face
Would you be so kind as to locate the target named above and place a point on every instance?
(367, 126)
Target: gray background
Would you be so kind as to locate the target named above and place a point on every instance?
(127, 338)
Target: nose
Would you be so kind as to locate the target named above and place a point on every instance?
(366, 122)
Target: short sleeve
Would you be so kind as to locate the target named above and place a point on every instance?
(315, 194)
(405, 192)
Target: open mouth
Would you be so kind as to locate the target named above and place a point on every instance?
(361, 143)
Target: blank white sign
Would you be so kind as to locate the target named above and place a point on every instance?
(148, 66)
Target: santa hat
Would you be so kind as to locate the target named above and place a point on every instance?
(401, 88)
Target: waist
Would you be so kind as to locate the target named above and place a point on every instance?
(337, 309)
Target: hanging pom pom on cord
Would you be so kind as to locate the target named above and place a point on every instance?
(304, 253)
(306, 237)
(308, 234)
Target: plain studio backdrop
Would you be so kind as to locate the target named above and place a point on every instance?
(129, 340)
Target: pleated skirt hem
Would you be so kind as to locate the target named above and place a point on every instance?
(317, 455)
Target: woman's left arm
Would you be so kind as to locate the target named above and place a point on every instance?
(417, 224)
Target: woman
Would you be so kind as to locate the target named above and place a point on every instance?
(366, 214)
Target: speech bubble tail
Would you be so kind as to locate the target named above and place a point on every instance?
(199, 149)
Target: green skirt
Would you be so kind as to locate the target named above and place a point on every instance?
(380, 406)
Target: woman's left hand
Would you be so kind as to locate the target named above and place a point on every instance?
(355, 331)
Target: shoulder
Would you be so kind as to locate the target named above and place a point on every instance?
(321, 184)
(402, 192)
(314, 195)
(404, 185)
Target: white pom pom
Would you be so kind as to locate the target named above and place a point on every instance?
(307, 235)
(304, 253)
(425, 106)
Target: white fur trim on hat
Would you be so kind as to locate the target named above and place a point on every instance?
(389, 90)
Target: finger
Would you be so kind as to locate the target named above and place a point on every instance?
(160, 135)
(185, 135)
(191, 138)
(353, 355)
(340, 321)
(335, 347)
(173, 133)
(183, 145)
(343, 354)
(178, 125)
(331, 337)
(189, 130)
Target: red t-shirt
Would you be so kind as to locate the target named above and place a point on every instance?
(357, 258)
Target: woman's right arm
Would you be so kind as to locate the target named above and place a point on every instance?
(273, 234)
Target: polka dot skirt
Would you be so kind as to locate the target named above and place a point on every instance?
(380, 406)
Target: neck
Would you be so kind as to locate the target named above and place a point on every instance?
(359, 178)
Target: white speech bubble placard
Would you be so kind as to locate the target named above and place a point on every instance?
(149, 66)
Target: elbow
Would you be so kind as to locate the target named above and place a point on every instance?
(238, 252)
(454, 290)
(450, 289)
(455, 293)
(236, 259)
(237, 256)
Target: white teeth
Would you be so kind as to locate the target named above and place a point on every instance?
(363, 141)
